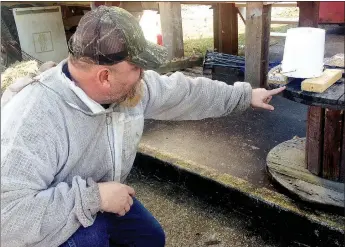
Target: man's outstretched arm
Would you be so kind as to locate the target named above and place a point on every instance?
(179, 97)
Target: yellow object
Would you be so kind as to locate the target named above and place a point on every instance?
(320, 84)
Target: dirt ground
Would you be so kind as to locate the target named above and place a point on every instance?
(190, 222)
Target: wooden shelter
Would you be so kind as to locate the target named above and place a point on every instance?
(256, 15)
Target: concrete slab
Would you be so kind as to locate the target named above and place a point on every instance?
(235, 145)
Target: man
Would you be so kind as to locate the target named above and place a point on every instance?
(69, 137)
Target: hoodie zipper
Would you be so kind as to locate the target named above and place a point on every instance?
(110, 133)
(118, 131)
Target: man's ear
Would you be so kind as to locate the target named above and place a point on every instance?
(103, 77)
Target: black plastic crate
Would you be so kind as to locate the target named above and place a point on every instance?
(227, 75)
(224, 67)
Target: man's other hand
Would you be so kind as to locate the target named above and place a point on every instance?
(261, 97)
(116, 197)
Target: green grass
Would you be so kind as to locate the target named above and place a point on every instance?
(200, 46)
(197, 46)
(282, 28)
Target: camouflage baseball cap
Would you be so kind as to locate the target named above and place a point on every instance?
(109, 35)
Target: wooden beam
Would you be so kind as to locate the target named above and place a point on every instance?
(274, 4)
(171, 24)
(308, 14)
(284, 21)
(276, 34)
(314, 140)
(242, 13)
(226, 28)
(257, 39)
(243, 4)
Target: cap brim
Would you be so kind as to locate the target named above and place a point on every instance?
(153, 57)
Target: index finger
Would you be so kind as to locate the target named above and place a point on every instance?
(130, 190)
(276, 91)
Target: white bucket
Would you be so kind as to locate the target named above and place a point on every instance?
(304, 52)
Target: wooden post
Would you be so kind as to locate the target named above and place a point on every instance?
(225, 28)
(332, 144)
(308, 14)
(332, 164)
(314, 139)
(257, 38)
(171, 23)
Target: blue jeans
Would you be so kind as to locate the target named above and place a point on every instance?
(137, 228)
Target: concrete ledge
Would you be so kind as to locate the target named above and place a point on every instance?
(275, 211)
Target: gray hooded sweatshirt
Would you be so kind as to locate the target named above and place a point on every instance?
(57, 143)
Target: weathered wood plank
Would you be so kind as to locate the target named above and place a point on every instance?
(180, 64)
(171, 23)
(297, 170)
(332, 144)
(310, 192)
(257, 37)
(314, 140)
